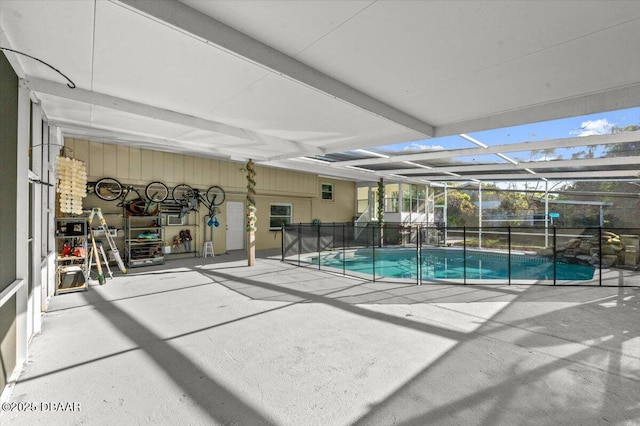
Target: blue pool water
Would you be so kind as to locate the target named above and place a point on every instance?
(450, 264)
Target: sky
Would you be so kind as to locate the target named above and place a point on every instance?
(593, 124)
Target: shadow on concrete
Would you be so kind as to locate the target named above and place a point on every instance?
(220, 404)
(572, 373)
(546, 368)
(242, 284)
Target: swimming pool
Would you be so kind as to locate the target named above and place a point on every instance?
(445, 264)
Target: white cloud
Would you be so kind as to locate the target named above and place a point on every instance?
(593, 127)
(547, 157)
(415, 146)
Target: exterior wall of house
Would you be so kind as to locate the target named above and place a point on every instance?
(138, 167)
(8, 178)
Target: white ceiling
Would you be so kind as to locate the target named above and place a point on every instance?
(279, 80)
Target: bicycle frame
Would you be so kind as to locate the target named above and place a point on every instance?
(138, 206)
(110, 189)
(191, 198)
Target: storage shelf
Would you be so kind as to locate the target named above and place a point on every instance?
(72, 271)
(143, 251)
(69, 258)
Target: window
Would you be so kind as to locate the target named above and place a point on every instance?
(327, 191)
(414, 199)
(280, 214)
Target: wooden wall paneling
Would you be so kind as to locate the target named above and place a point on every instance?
(96, 160)
(263, 180)
(122, 162)
(109, 159)
(312, 185)
(157, 158)
(81, 152)
(225, 177)
(214, 171)
(169, 172)
(280, 181)
(274, 181)
(199, 173)
(135, 163)
(178, 171)
(189, 175)
(231, 177)
(291, 185)
(240, 177)
(210, 170)
(146, 165)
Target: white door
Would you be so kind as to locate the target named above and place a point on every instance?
(235, 225)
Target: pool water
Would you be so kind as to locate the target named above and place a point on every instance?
(450, 264)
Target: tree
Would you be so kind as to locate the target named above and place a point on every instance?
(514, 203)
(460, 208)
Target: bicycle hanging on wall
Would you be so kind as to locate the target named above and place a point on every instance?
(110, 189)
(190, 198)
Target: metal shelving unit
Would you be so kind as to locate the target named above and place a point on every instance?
(143, 241)
(72, 261)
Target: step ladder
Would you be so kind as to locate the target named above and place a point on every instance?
(208, 249)
(114, 249)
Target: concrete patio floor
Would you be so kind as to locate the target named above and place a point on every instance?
(212, 341)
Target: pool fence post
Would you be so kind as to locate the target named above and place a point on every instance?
(366, 233)
(509, 253)
(299, 241)
(464, 254)
(373, 251)
(554, 255)
(333, 238)
(600, 256)
(419, 254)
(318, 243)
(344, 250)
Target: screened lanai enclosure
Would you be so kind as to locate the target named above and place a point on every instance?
(563, 212)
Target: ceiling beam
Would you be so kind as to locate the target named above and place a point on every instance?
(613, 138)
(212, 31)
(562, 176)
(532, 165)
(610, 100)
(310, 166)
(79, 130)
(119, 104)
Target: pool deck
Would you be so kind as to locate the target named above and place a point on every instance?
(212, 341)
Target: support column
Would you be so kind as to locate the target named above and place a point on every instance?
(251, 214)
(22, 226)
(35, 300)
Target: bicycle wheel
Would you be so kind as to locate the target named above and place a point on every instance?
(215, 195)
(183, 194)
(108, 189)
(156, 192)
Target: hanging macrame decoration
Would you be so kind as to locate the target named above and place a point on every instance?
(71, 184)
